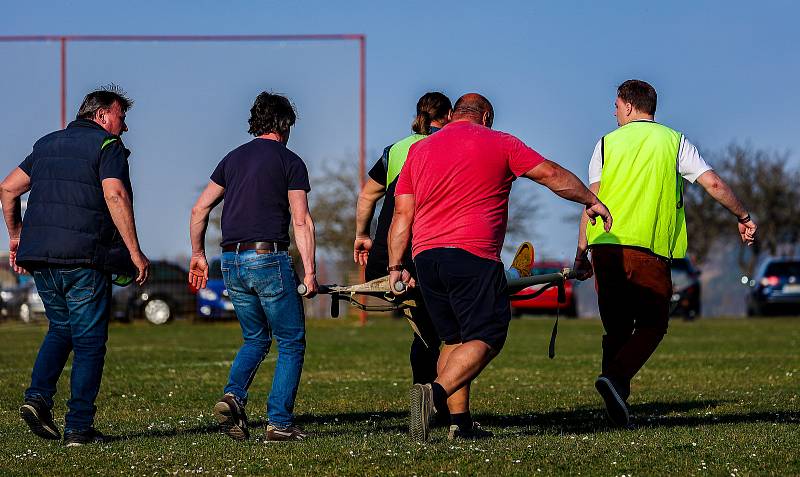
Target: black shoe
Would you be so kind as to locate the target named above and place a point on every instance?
(79, 438)
(38, 417)
(615, 405)
(477, 432)
(231, 417)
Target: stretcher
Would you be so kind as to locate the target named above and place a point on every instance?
(403, 299)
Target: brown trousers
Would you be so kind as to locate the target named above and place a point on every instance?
(634, 288)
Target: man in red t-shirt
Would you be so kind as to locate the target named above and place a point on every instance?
(453, 191)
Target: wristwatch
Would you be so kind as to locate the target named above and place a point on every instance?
(395, 268)
(745, 219)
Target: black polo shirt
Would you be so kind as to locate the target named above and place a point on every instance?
(257, 177)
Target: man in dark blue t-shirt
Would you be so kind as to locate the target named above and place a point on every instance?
(264, 185)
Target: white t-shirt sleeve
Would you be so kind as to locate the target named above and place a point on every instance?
(690, 164)
(596, 163)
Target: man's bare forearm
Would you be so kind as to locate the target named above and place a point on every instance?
(400, 230)
(722, 193)
(365, 209)
(369, 195)
(198, 225)
(121, 209)
(12, 213)
(11, 189)
(306, 243)
(399, 235)
(583, 243)
(562, 182)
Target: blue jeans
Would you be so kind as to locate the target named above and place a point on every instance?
(262, 288)
(77, 302)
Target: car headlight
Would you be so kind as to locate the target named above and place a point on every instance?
(208, 295)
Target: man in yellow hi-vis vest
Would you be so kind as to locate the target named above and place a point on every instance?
(638, 170)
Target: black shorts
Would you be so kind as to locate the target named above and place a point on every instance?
(466, 296)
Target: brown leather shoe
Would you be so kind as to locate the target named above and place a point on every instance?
(231, 417)
(291, 433)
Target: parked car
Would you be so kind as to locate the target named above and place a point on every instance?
(213, 302)
(547, 302)
(11, 298)
(775, 288)
(164, 296)
(685, 289)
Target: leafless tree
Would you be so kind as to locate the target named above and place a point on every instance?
(332, 200)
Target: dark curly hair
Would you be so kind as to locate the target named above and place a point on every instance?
(271, 113)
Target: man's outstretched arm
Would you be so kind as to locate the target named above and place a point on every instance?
(722, 193)
(566, 185)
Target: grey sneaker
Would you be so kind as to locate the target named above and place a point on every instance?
(616, 407)
(421, 409)
(477, 432)
(87, 436)
(280, 434)
(231, 417)
(39, 418)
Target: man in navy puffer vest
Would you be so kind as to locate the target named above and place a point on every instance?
(78, 230)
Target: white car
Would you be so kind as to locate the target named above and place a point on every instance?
(32, 307)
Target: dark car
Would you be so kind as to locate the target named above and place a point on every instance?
(165, 296)
(21, 301)
(776, 288)
(213, 302)
(685, 289)
(547, 302)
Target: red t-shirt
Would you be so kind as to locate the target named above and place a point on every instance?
(461, 177)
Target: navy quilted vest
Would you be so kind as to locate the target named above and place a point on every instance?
(67, 221)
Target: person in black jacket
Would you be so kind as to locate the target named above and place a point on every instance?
(78, 230)
(433, 112)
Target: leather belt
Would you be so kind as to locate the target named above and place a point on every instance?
(261, 247)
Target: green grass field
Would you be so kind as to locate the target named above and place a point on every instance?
(720, 397)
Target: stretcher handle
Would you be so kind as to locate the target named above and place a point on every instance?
(321, 289)
(517, 284)
(400, 287)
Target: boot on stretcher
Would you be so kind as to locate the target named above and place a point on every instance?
(523, 262)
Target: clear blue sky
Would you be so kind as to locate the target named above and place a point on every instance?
(726, 70)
